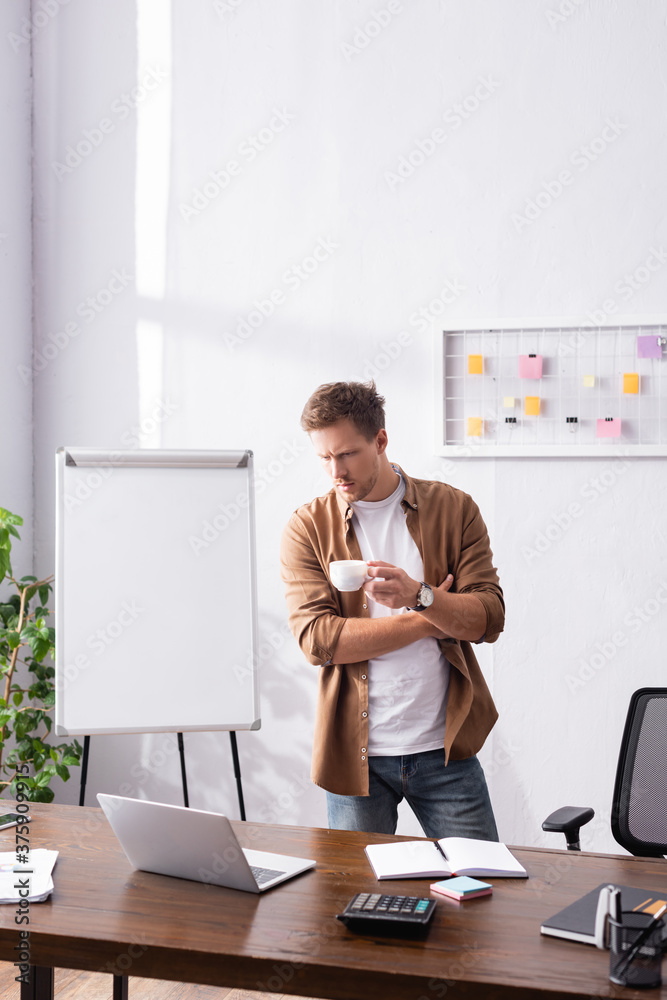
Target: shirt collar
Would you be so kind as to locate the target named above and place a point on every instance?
(410, 497)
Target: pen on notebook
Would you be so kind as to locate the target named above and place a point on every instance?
(640, 940)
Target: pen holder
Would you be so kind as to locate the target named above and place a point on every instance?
(643, 970)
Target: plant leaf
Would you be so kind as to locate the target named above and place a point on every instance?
(13, 639)
(7, 517)
(42, 794)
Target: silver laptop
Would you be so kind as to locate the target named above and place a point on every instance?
(193, 844)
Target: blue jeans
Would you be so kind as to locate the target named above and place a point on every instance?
(451, 801)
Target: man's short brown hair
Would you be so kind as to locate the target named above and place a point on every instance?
(359, 402)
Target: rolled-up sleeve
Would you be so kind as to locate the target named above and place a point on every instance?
(314, 618)
(477, 575)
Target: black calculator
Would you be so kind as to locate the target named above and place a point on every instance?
(377, 913)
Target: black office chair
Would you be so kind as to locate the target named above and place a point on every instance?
(639, 807)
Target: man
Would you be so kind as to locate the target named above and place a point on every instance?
(402, 705)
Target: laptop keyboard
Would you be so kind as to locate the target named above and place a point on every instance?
(264, 875)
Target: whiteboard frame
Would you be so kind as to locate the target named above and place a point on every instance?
(478, 450)
(101, 458)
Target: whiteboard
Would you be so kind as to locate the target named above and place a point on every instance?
(155, 591)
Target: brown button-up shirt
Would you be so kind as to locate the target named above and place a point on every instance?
(451, 536)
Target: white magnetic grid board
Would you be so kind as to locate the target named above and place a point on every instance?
(155, 592)
(583, 369)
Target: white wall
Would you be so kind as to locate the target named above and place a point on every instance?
(334, 99)
(16, 485)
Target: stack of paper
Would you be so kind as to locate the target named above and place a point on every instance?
(34, 875)
(462, 887)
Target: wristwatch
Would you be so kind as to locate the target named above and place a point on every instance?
(424, 598)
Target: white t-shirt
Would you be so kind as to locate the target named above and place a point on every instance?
(407, 688)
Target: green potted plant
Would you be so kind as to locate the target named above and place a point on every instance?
(27, 684)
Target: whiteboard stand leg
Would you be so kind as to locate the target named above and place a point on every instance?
(237, 771)
(184, 777)
(84, 770)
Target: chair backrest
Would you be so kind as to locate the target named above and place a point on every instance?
(639, 808)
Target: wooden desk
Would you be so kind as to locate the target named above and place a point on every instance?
(105, 916)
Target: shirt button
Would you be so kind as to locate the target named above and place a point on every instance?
(363, 758)
(364, 605)
(364, 715)
(363, 677)
(363, 749)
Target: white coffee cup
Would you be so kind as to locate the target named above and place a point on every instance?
(348, 574)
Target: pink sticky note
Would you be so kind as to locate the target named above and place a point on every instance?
(608, 428)
(648, 347)
(530, 367)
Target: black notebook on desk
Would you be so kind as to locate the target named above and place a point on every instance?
(577, 921)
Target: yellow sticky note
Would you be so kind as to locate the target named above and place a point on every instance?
(508, 402)
(589, 381)
(475, 364)
(631, 382)
(474, 426)
(532, 406)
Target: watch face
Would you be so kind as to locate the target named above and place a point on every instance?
(425, 596)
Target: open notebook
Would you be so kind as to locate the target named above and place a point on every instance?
(449, 856)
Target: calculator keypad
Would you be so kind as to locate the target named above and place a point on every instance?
(374, 910)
